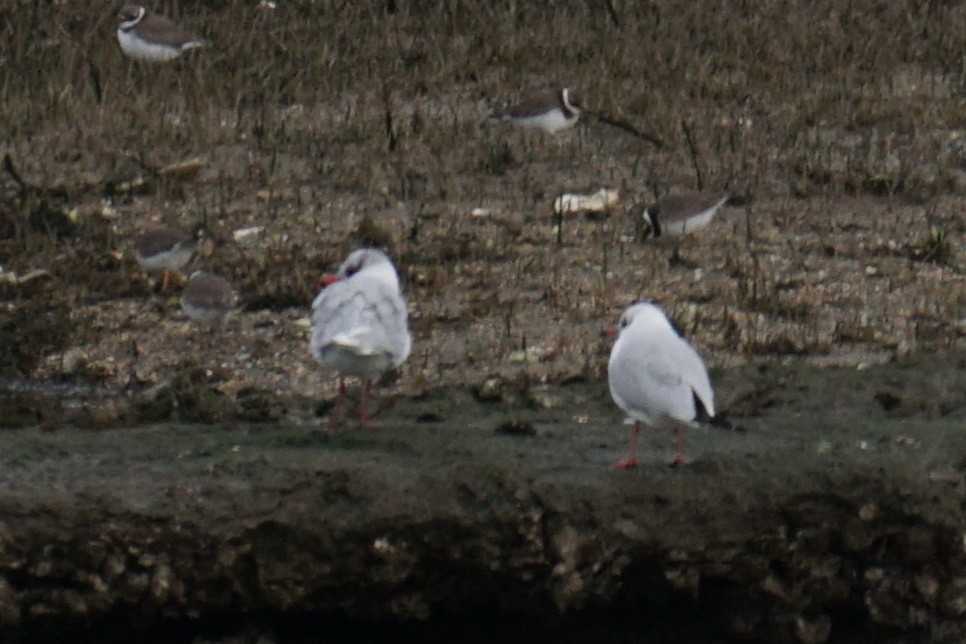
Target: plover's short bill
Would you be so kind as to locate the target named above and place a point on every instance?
(149, 37)
(360, 323)
(680, 214)
(164, 249)
(548, 111)
(208, 298)
(655, 376)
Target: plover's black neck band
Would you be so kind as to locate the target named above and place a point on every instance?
(653, 219)
(128, 25)
(565, 105)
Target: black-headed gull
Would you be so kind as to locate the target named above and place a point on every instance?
(655, 376)
(360, 323)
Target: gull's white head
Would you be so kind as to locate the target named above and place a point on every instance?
(374, 262)
(646, 313)
(363, 258)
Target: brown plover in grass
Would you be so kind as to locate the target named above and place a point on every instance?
(208, 298)
(360, 324)
(148, 37)
(674, 216)
(655, 376)
(547, 111)
(164, 249)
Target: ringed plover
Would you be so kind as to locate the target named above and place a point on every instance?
(164, 249)
(548, 111)
(149, 37)
(676, 215)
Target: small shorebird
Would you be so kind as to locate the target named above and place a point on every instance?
(164, 249)
(360, 323)
(549, 111)
(208, 298)
(149, 37)
(676, 215)
(655, 376)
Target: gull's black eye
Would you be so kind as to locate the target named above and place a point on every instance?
(622, 323)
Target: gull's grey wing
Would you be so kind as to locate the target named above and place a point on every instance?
(364, 315)
(657, 376)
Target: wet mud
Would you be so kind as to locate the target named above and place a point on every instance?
(837, 512)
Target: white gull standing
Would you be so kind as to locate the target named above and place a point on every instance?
(360, 323)
(657, 377)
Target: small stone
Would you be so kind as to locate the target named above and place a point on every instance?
(490, 390)
(814, 630)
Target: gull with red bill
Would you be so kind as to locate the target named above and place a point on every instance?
(655, 376)
(360, 323)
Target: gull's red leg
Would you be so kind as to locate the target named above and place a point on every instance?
(334, 415)
(679, 457)
(631, 460)
(365, 420)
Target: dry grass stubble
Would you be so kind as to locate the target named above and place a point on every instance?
(839, 134)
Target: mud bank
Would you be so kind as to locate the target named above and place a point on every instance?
(839, 513)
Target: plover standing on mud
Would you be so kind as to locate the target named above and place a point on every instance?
(208, 298)
(360, 323)
(149, 37)
(548, 111)
(655, 376)
(164, 249)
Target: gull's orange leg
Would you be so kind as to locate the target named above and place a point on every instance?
(679, 457)
(631, 460)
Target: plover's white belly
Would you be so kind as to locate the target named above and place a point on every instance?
(139, 49)
(171, 260)
(203, 314)
(548, 122)
(689, 224)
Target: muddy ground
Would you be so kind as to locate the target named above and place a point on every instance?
(837, 514)
(164, 482)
